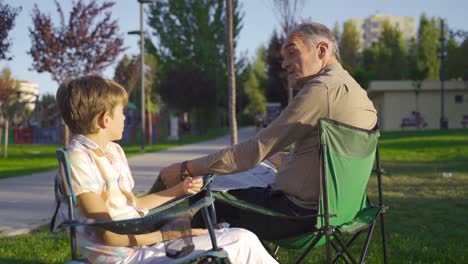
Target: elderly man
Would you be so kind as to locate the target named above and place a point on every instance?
(323, 90)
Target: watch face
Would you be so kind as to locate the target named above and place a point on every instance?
(184, 174)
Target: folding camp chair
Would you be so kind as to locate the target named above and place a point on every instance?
(155, 219)
(347, 156)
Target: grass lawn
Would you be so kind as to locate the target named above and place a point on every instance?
(425, 222)
(27, 159)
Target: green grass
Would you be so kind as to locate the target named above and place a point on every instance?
(27, 159)
(425, 222)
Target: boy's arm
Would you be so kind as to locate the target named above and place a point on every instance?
(188, 186)
(93, 207)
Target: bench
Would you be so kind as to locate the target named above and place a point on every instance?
(464, 121)
(408, 122)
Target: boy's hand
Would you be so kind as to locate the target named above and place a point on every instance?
(170, 175)
(192, 185)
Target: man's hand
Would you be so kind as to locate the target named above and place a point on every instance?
(170, 175)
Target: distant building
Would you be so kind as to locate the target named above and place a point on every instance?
(28, 93)
(395, 100)
(370, 28)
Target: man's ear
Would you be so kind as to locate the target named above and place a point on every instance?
(323, 49)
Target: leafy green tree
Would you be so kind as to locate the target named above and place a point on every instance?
(387, 58)
(454, 61)
(428, 47)
(277, 87)
(336, 31)
(350, 45)
(191, 37)
(256, 83)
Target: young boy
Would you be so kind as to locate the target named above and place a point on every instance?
(92, 108)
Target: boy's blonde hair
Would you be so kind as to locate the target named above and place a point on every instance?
(81, 100)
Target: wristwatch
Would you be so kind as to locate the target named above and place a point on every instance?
(184, 173)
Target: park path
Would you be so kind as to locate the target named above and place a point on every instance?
(27, 202)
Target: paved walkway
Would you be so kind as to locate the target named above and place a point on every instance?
(28, 201)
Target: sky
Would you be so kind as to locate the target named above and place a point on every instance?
(260, 20)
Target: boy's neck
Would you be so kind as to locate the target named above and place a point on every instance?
(98, 138)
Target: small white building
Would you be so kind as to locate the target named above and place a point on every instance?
(28, 93)
(395, 100)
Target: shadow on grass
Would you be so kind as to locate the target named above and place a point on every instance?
(422, 168)
(418, 230)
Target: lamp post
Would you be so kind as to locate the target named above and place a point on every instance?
(141, 32)
(443, 120)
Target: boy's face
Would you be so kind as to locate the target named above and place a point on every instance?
(116, 123)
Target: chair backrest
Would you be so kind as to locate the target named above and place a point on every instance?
(66, 189)
(347, 158)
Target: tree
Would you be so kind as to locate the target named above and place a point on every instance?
(336, 31)
(277, 87)
(231, 72)
(195, 85)
(191, 37)
(256, 83)
(8, 87)
(127, 73)
(287, 13)
(386, 59)
(416, 73)
(428, 48)
(87, 42)
(350, 45)
(7, 22)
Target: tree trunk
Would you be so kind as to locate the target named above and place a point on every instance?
(5, 154)
(231, 72)
(150, 121)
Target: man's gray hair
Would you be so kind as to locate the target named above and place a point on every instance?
(312, 33)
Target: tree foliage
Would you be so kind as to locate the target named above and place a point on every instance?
(387, 58)
(277, 87)
(255, 85)
(127, 73)
(87, 42)
(190, 36)
(428, 48)
(350, 45)
(7, 22)
(287, 13)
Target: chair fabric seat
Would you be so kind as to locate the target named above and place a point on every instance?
(360, 222)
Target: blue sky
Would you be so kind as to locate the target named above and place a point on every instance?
(259, 23)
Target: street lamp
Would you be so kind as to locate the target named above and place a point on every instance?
(142, 67)
(442, 55)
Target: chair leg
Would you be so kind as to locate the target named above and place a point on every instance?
(337, 249)
(350, 241)
(384, 241)
(366, 244)
(312, 245)
(346, 251)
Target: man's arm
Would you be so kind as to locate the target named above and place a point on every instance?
(297, 120)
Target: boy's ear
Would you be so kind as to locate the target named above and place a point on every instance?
(102, 120)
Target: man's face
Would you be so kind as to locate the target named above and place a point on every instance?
(300, 61)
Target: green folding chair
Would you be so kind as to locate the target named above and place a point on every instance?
(347, 157)
(155, 219)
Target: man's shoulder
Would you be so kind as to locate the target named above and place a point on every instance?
(335, 76)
